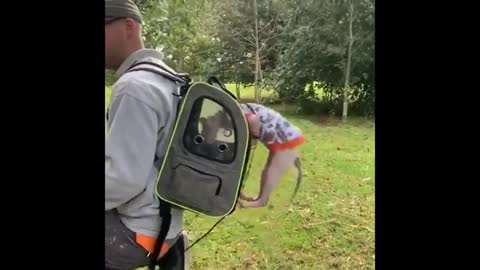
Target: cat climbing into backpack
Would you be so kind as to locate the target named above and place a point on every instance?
(279, 136)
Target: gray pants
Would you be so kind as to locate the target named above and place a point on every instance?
(123, 253)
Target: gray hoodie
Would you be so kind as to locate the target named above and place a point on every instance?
(140, 120)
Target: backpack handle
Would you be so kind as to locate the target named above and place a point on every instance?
(214, 80)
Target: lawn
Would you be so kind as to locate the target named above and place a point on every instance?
(329, 225)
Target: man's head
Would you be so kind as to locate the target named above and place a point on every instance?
(123, 31)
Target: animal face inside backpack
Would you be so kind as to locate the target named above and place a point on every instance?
(203, 168)
(210, 132)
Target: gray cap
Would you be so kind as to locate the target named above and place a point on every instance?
(122, 8)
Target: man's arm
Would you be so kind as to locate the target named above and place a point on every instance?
(130, 149)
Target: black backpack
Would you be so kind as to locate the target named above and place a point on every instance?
(208, 154)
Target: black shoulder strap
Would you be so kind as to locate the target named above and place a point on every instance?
(166, 215)
(164, 71)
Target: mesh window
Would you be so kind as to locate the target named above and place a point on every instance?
(210, 132)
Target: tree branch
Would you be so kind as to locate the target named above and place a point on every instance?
(246, 43)
(265, 26)
(272, 31)
(275, 36)
(245, 39)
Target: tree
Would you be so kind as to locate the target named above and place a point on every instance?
(349, 61)
(250, 30)
(257, 51)
(320, 47)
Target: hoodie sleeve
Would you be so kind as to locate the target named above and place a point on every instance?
(129, 149)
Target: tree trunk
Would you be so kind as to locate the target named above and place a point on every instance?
(349, 63)
(257, 53)
(180, 64)
(260, 77)
(237, 89)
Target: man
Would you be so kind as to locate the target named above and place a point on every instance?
(140, 120)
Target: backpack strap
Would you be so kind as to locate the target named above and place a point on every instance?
(161, 70)
(165, 212)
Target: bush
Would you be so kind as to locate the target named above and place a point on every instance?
(314, 106)
(321, 99)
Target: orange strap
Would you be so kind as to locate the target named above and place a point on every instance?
(286, 146)
(148, 244)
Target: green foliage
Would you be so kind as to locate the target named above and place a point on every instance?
(299, 44)
(182, 30)
(315, 48)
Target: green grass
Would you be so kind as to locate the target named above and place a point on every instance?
(329, 225)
